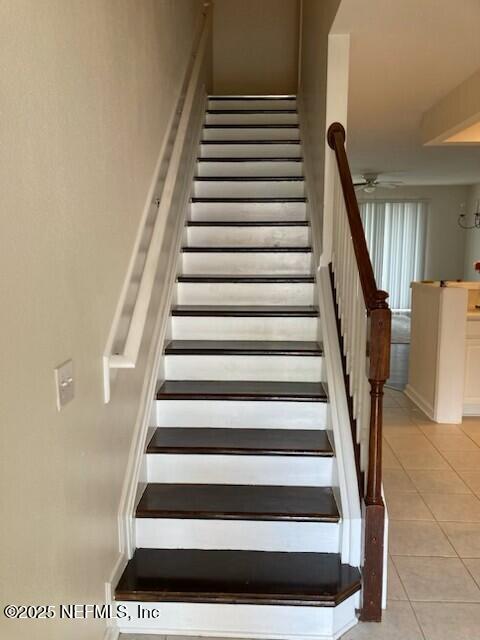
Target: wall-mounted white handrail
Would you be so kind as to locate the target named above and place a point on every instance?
(128, 356)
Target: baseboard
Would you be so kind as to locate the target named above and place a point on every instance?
(471, 409)
(112, 632)
(118, 569)
(421, 403)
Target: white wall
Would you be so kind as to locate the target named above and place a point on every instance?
(445, 243)
(472, 236)
(317, 18)
(87, 89)
(255, 46)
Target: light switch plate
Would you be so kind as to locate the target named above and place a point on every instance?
(64, 383)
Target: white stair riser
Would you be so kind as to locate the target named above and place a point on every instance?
(248, 535)
(277, 150)
(240, 620)
(248, 414)
(260, 368)
(246, 189)
(252, 118)
(256, 263)
(244, 469)
(252, 133)
(288, 236)
(241, 293)
(232, 328)
(251, 104)
(248, 211)
(256, 169)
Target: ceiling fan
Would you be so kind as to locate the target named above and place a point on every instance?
(370, 183)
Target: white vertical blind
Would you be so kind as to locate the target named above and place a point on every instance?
(395, 233)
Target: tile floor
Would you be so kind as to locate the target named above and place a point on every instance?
(432, 489)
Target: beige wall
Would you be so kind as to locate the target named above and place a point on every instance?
(87, 89)
(255, 46)
(445, 243)
(472, 237)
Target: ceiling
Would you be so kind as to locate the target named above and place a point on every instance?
(405, 56)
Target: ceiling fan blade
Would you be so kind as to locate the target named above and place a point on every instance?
(389, 185)
(359, 184)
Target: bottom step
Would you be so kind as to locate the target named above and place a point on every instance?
(238, 594)
(237, 577)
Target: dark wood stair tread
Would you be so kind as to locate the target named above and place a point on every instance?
(248, 223)
(259, 141)
(244, 347)
(240, 249)
(238, 502)
(246, 278)
(241, 390)
(251, 126)
(252, 200)
(247, 97)
(245, 311)
(241, 577)
(249, 111)
(249, 179)
(229, 441)
(251, 159)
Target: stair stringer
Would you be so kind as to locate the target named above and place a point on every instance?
(351, 543)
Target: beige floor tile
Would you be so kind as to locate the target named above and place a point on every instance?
(437, 481)
(407, 506)
(401, 430)
(422, 460)
(395, 590)
(435, 429)
(465, 538)
(419, 417)
(404, 401)
(397, 480)
(390, 402)
(453, 508)
(471, 426)
(472, 479)
(397, 416)
(464, 460)
(442, 621)
(416, 538)
(436, 579)
(398, 623)
(389, 459)
(449, 442)
(473, 565)
(408, 443)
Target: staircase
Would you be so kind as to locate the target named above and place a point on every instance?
(239, 530)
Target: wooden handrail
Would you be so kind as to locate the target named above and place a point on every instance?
(374, 298)
(378, 369)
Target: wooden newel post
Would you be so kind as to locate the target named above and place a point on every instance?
(379, 368)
